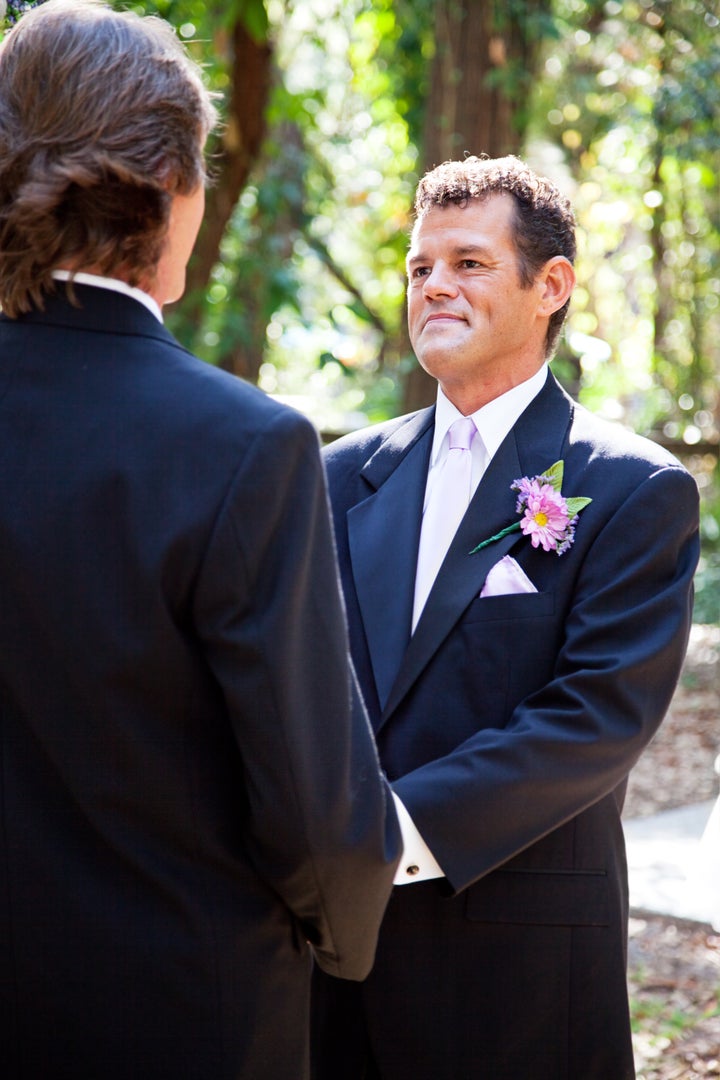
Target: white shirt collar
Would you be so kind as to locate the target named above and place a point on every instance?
(114, 284)
(493, 420)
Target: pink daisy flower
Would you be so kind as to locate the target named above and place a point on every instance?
(546, 518)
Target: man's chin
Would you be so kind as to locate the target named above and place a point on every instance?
(439, 361)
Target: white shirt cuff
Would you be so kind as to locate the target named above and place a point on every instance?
(417, 863)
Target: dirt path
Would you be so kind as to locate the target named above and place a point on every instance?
(674, 966)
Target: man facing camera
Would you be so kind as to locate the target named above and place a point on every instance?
(190, 791)
(517, 574)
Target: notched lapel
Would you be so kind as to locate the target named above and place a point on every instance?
(383, 534)
(461, 575)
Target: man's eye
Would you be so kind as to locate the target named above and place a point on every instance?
(470, 264)
(419, 271)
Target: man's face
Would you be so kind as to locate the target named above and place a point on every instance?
(472, 325)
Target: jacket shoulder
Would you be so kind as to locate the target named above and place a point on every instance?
(611, 443)
(223, 404)
(355, 448)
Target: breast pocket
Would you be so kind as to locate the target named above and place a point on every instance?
(513, 606)
(541, 898)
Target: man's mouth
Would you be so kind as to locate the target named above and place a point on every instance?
(443, 316)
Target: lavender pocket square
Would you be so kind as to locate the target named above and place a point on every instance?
(506, 577)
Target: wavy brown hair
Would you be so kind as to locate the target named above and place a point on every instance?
(103, 119)
(543, 223)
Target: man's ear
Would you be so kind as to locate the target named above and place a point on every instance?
(557, 281)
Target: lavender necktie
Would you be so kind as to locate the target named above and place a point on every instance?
(446, 508)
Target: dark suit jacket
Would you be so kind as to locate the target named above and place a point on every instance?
(188, 784)
(508, 725)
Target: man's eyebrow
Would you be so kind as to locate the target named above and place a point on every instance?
(461, 252)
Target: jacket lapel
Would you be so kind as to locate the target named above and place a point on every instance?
(383, 533)
(533, 445)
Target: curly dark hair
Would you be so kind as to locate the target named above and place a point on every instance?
(543, 223)
(103, 119)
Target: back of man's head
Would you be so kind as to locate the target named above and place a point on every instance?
(103, 119)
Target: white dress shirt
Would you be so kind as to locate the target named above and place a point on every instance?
(114, 284)
(493, 422)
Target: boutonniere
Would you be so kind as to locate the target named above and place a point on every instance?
(548, 518)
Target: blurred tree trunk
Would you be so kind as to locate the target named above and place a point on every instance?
(231, 158)
(276, 223)
(486, 55)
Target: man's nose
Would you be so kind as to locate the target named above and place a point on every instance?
(440, 281)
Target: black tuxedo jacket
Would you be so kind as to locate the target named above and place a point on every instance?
(189, 789)
(507, 725)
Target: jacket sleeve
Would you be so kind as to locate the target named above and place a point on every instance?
(573, 735)
(321, 829)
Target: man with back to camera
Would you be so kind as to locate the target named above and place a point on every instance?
(189, 789)
(517, 574)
